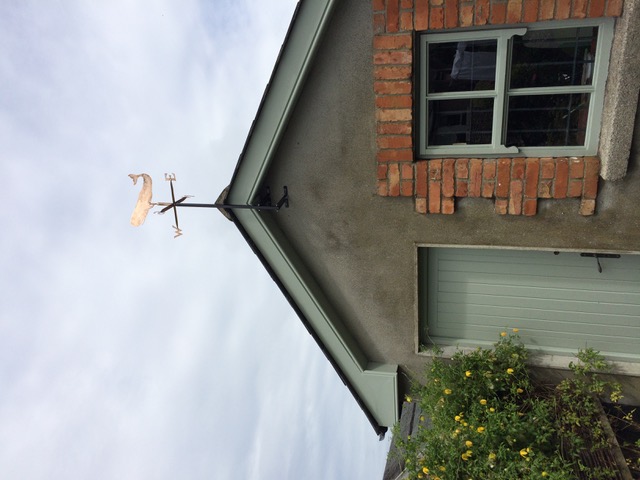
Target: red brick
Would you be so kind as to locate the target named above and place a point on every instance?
(587, 207)
(488, 188)
(437, 2)
(462, 188)
(462, 168)
(406, 21)
(544, 188)
(392, 72)
(596, 8)
(378, 5)
(591, 171)
(392, 57)
(406, 4)
(421, 17)
(482, 12)
(547, 167)
(532, 172)
(395, 141)
(575, 188)
(451, 13)
(379, 23)
(576, 167)
(561, 184)
(393, 12)
(466, 16)
(421, 178)
(406, 171)
(391, 88)
(383, 188)
(498, 13)
(501, 205)
(448, 177)
(504, 173)
(530, 13)
(406, 188)
(436, 18)
(394, 101)
(394, 180)
(382, 171)
(489, 169)
(421, 205)
(394, 114)
(400, 128)
(475, 177)
(435, 170)
(563, 9)
(399, 155)
(514, 11)
(579, 9)
(434, 197)
(515, 198)
(530, 207)
(614, 8)
(517, 168)
(546, 10)
(392, 42)
(448, 206)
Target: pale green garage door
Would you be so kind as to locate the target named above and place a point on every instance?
(559, 302)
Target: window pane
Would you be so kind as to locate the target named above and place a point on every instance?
(555, 57)
(547, 120)
(463, 121)
(462, 66)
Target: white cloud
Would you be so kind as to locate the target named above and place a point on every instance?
(125, 353)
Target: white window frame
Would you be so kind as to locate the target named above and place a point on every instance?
(501, 92)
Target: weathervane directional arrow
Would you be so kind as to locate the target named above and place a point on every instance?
(145, 204)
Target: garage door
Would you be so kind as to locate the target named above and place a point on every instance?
(559, 302)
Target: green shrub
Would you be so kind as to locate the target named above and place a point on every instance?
(487, 420)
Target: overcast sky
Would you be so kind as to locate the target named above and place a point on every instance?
(126, 353)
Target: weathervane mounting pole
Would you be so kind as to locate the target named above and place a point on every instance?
(144, 202)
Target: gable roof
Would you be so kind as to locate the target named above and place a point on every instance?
(373, 385)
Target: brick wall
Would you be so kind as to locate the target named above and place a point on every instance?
(515, 183)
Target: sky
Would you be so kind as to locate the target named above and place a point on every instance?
(126, 353)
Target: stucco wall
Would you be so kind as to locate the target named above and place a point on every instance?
(362, 247)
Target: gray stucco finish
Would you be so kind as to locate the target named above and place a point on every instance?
(361, 247)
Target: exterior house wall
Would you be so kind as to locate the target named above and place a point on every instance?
(515, 183)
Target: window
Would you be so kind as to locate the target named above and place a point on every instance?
(529, 91)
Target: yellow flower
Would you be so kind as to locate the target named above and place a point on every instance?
(465, 424)
(483, 402)
(408, 398)
(510, 371)
(519, 390)
(468, 373)
(480, 429)
(469, 452)
(442, 469)
(524, 452)
(464, 457)
(425, 469)
(420, 475)
(492, 456)
(422, 418)
(545, 474)
(492, 409)
(468, 443)
(503, 334)
(457, 418)
(447, 391)
(515, 330)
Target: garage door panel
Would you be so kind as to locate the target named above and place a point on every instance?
(557, 293)
(538, 304)
(559, 302)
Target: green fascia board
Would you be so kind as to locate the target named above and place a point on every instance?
(374, 385)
